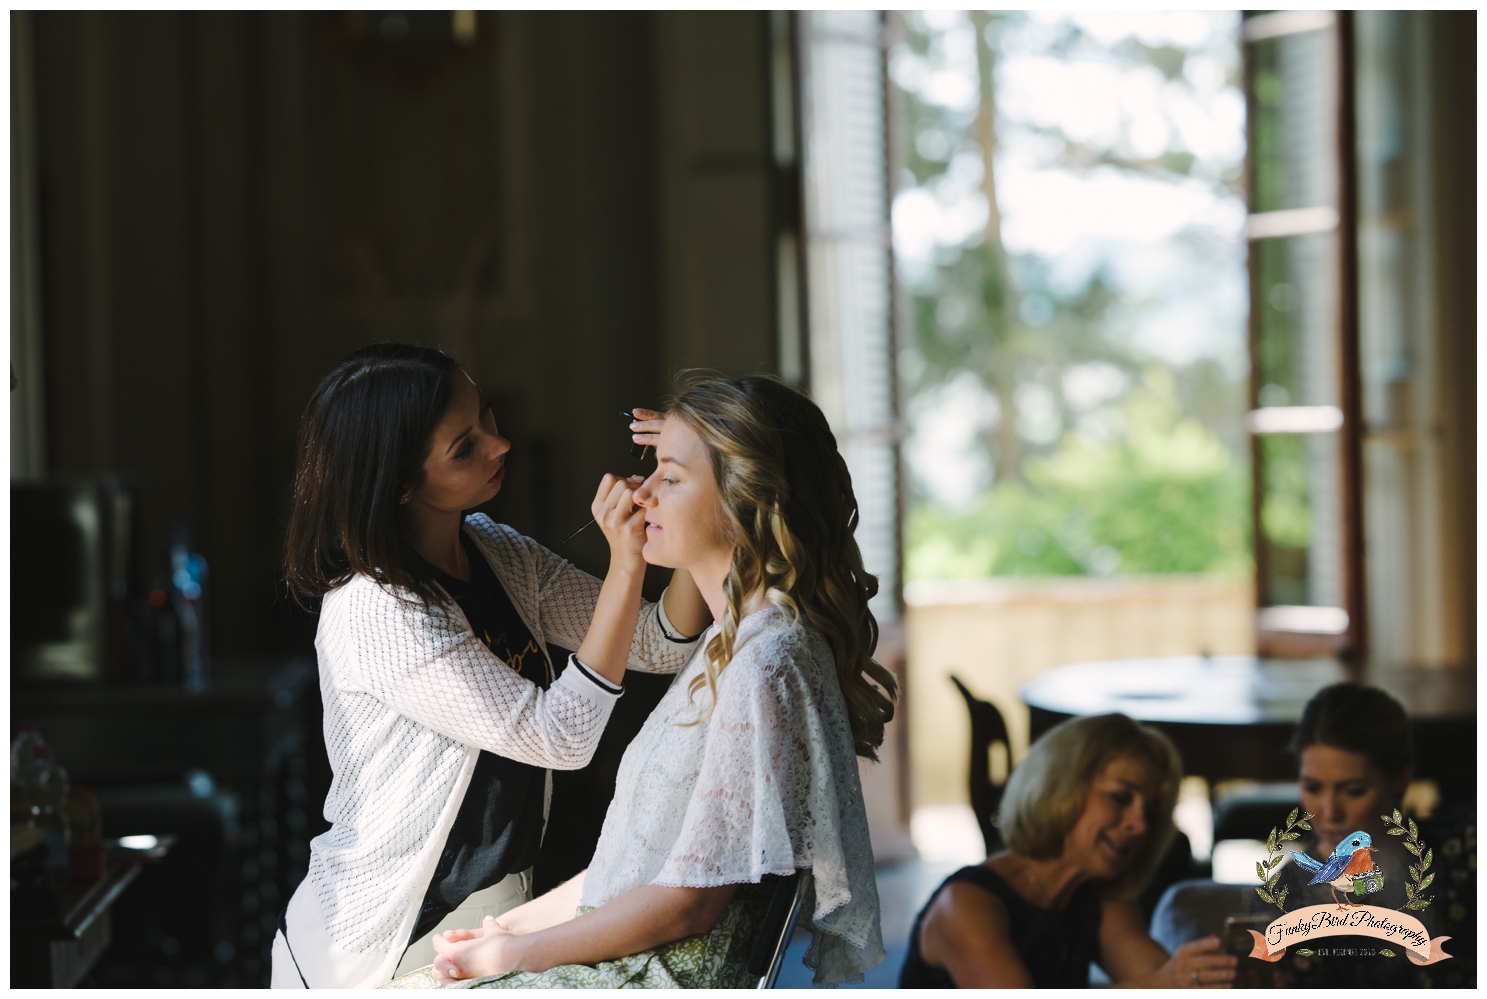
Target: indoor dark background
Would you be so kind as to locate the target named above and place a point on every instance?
(577, 205)
(212, 208)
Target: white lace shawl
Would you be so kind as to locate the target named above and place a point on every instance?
(767, 785)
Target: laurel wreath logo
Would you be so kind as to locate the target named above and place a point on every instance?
(1421, 877)
(1419, 880)
(1269, 869)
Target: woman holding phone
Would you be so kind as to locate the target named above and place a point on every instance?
(1086, 815)
(443, 715)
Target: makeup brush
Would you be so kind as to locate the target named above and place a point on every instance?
(636, 451)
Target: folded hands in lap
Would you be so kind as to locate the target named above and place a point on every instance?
(544, 933)
(491, 949)
(474, 953)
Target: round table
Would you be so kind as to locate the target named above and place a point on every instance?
(1231, 716)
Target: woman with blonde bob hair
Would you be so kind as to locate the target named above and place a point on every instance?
(1086, 816)
(748, 766)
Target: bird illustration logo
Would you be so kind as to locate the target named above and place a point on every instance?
(1351, 868)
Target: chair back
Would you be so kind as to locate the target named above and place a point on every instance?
(987, 729)
(1197, 907)
(1250, 811)
(778, 926)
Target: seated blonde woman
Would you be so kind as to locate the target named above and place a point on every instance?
(748, 765)
(1087, 815)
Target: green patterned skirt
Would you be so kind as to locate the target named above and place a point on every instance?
(717, 960)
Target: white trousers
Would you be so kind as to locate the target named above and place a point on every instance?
(503, 896)
(282, 971)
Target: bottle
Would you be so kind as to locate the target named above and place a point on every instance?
(47, 786)
(86, 856)
(22, 754)
(164, 634)
(23, 748)
(188, 586)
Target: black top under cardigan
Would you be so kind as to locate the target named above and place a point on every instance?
(498, 829)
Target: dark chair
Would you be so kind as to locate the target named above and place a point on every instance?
(1176, 865)
(785, 904)
(987, 729)
(1250, 811)
(1196, 907)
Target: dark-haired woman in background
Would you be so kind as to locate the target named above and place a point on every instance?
(1356, 756)
(1355, 750)
(443, 714)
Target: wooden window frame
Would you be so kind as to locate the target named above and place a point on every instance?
(1272, 640)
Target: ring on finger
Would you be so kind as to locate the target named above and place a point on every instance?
(1195, 976)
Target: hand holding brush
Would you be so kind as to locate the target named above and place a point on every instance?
(645, 431)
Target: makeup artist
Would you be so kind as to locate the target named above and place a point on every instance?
(443, 715)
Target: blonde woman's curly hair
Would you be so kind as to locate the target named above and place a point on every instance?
(788, 505)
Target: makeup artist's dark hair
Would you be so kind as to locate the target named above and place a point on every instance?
(363, 440)
(1361, 720)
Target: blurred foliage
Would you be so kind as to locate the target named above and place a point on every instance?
(1150, 477)
(938, 131)
(1268, 181)
(1285, 512)
(1163, 496)
(1276, 368)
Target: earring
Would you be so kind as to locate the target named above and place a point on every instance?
(406, 498)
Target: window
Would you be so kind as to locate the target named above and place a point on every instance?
(1412, 369)
(1303, 337)
(849, 268)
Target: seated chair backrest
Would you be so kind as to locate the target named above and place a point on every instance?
(778, 926)
(1197, 907)
(987, 729)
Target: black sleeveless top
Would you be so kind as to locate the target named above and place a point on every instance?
(1056, 947)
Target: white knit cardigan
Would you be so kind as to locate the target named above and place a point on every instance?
(411, 698)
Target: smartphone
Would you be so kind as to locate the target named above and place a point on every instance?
(1250, 974)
